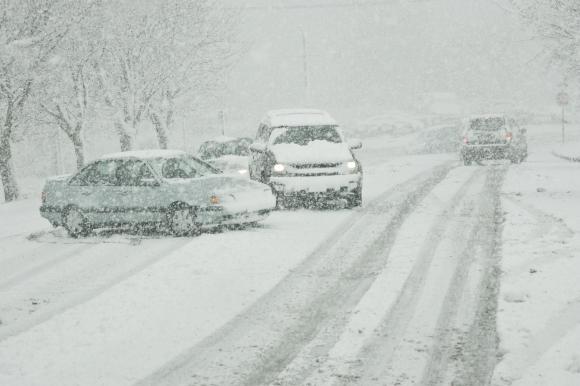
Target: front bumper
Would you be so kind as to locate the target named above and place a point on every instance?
(214, 217)
(52, 213)
(340, 185)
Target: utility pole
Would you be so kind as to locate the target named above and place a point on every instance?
(222, 119)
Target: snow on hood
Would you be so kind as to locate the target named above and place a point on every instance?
(313, 152)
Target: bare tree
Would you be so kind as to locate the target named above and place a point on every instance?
(156, 54)
(30, 30)
(68, 95)
(557, 22)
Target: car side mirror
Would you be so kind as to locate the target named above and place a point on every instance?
(258, 147)
(354, 144)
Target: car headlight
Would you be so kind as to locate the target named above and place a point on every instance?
(243, 171)
(350, 167)
(278, 169)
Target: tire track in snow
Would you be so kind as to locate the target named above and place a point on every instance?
(412, 344)
(259, 343)
(380, 298)
(46, 264)
(111, 263)
(475, 354)
(378, 353)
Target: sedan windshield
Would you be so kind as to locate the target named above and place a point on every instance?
(181, 167)
(303, 135)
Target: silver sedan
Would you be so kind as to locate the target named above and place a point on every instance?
(153, 186)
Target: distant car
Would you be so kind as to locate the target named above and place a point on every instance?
(304, 157)
(156, 186)
(493, 137)
(227, 154)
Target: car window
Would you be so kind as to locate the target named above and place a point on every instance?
(487, 124)
(132, 173)
(303, 135)
(98, 173)
(182, 167)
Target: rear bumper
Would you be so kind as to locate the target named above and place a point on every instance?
(498, 151)
(338, 185)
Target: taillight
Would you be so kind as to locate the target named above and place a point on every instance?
(43, 197)
(508, 136)
(465, 140)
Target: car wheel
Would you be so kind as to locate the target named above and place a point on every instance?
(281, 201)
(76, 223)
(355, 200)
(181, 221)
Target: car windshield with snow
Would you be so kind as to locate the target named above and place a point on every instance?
(304, 157)
(161, 187)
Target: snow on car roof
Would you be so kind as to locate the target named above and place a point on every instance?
(297, 117)
(152, 153)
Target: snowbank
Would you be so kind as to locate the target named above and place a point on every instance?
(568, 151)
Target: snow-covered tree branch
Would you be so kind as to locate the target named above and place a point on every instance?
(30, 31)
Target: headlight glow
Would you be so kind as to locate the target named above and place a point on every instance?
(351, 165)
(279, 168)
(243, 171)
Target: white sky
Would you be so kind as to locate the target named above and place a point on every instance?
(369, 56)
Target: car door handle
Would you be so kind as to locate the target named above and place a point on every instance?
(124, 192)
(86, 193)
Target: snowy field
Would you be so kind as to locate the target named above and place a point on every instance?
(402, 291)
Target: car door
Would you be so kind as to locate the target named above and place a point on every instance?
(91, 191)
(138, 193)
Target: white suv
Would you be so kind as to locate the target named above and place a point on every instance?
(304, 157)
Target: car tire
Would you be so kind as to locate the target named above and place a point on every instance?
(355, 200)
(281, 201)
(181, 221)
(76, 223)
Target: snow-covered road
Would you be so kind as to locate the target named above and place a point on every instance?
(402, 291)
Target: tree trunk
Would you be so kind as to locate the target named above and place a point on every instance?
(160, 130)
(125, 139)
(6, 170)
(79, 147)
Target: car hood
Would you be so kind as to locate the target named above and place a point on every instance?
(312, 153)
